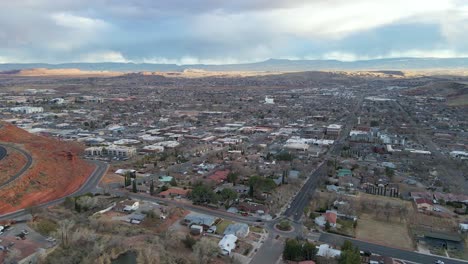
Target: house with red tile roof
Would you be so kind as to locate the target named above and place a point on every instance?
(174, 192)
(330, 216)
(424, 204)
(219, 176)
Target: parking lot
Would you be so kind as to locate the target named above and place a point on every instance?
(23, 239)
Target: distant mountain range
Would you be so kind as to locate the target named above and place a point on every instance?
(268, 65)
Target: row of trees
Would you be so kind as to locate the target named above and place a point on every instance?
(296, 250)
(203, 194)
(349, 254)
(260, 184)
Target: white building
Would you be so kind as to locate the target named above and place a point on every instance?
(334, 129)
(121, 151)
(459, 154)
(126, 141)
(112, 150)
(132, 207)
(153, 148)
(227, 244)
(269, 100)
(463, 227)
(27, 109)
(326, 251)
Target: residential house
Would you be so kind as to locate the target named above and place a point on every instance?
(330, 216)
(237, 229)
(451, 241)
(240, 188)
(126, 206)
(227, 244)
(326, 251)
(196, 229)
(219, 176)
(463, 227)
(205, 221)
(423, 204)
(137, 218)
(344, 173)
(165, 179)
(253, 208)
(174, 192)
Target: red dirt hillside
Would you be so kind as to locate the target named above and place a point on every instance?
(56, 170)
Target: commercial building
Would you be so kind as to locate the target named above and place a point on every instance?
(27, 109)
(112, 150)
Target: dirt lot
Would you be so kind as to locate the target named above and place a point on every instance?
(56, 163)
(381, 220)
(386, 233)
(11, 164)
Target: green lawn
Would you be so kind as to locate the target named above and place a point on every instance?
(221, 226)
(256, 229)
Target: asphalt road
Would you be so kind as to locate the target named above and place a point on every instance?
(28, 164)
(190, 207)
(88, 186)
(296, 209)
(388, 251)
(3, 152)
(272, 249)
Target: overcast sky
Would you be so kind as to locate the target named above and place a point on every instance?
(229, 31)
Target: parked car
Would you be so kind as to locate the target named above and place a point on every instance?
(212, 229)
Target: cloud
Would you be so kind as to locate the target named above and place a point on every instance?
(103, 56)
(71, 21)
(413, 53)
(319, 19)
(213, 31)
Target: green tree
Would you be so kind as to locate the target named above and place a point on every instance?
(284, 225)
(347, 245)
(284, 156)
(232, 178)
(203, 194)
(389, 172)
(127, 179)
(261, 184)
(251, 190)
(292, 250)
(309, 251)
(134, 186)
(173, 182)
(151, 190)
(349, 254)
(228, 195)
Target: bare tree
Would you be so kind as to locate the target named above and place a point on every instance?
(64, 230)
(205, 250)
(12, 256)
(149, 255)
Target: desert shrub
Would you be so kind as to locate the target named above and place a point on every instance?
(46, 227)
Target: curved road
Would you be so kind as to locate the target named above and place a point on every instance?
(28, 164)
(88, 186)
(3, 152)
